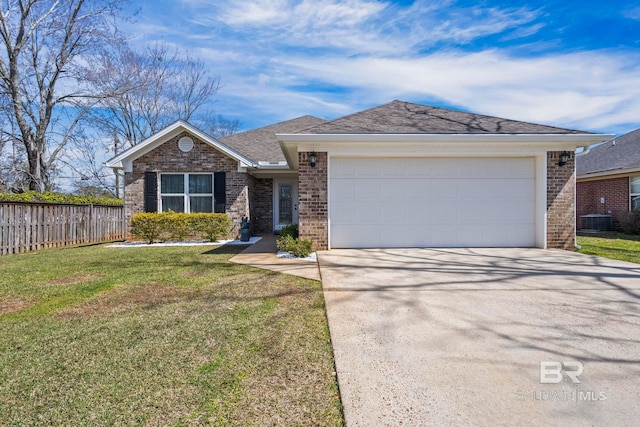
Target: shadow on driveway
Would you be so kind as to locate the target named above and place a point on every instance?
(456, 336)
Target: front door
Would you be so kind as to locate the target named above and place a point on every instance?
(285, 203)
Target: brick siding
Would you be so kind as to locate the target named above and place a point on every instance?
(312, 197)
(614, 190)
(202, 158)
(560, 202)
(262, 205)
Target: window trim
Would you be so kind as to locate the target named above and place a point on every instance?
(185, 195)
(631, 193)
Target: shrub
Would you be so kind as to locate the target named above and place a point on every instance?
(176, 225)
(214, 226)
(296, 247)
(50, 197)
(290, 230)
(147, 226)
(180, 226)
(630, 222)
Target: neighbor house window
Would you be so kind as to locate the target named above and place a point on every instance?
(186, 192)
(635, 192)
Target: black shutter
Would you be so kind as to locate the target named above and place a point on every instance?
(219, 191)
(150, 192)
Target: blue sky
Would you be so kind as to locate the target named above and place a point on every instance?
(568, 63)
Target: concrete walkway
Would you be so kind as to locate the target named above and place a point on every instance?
(263, 255)
(427, 337)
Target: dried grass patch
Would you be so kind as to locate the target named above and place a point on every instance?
(13, 305)
(121, 300)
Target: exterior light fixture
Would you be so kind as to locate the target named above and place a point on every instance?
(313, 159)
(564, 158)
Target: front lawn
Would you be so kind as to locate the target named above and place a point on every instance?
(611, 245)
(161, 336)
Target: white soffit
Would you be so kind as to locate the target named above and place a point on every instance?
(432, 144)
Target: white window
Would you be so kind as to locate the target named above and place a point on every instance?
(186, 192)
(634, 191)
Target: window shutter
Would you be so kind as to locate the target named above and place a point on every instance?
(219, 191)
(150, 192)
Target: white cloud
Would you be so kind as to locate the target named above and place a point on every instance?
(583, 90)
(362, 26)
(632, 13)
(305, 14)
(253, 12)
(281, 58)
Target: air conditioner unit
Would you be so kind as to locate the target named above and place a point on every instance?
(596, 222)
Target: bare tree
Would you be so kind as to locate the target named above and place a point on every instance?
(220, 127)
(45, 45)
(162, 87)
(157, 87)
(85, 162)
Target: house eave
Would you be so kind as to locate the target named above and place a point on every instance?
(125, 159)
(611, 173)
(427, 144)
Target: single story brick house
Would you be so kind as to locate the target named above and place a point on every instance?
(608, 178)
(397, 175)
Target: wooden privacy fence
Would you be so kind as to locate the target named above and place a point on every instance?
(32, 226)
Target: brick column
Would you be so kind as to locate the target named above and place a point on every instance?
(313, 213)
(561, 185)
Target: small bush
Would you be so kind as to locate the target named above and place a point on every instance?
(296, 247)
(180, 226)
(177, 225)
(630, 222)
(147, 226)
(290, 230)
(212, 226)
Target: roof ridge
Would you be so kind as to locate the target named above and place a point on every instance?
(353, 114)
(493, 117)
(445, 114)
(272, 125)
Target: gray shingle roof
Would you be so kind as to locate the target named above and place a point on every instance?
(612, 156)
(404, 117)
(261, 145)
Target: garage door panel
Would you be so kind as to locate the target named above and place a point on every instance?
(365, 235)
(443, 235)
(390, 214)
(514, 235)
(445, 190)
(394, 189)
(432, 202)
(367, 189)
(514, 189)
(350, 213)
(343, 189)
(519, 168)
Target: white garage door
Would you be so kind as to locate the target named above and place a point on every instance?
(432, 202)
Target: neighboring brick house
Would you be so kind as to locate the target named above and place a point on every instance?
(608, 178)
(398, 175)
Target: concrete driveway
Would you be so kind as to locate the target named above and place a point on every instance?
(457, 336)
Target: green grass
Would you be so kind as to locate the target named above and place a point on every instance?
(161, 336)
(611, 245)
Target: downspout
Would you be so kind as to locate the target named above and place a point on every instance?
(585, 150)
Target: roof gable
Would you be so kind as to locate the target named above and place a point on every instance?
(399, 117)
(261, 145)
(615, 156)
(125, 159)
